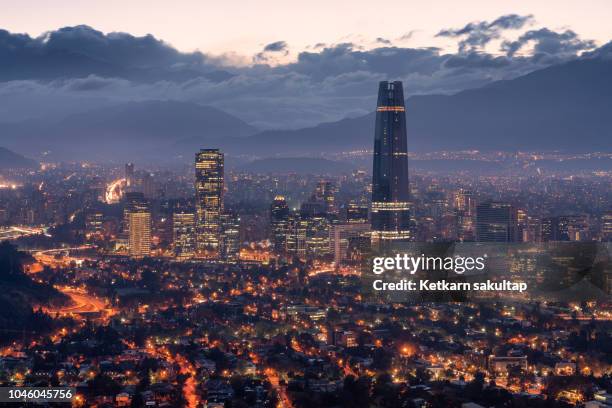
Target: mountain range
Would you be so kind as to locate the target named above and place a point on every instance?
(12, 160)
(563, 107)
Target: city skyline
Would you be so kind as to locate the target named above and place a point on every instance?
(199, 286)
(314, 205)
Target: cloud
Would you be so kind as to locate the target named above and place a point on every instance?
(407, 36)
(549, 42)
(79, 68)
(81, 51)
(271, 53)
(474, 36)
(277, 46)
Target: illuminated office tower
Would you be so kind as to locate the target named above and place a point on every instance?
(209, 197)
(147, 185)
(340, 236)
(496, 222)
(317, 237)
(94, 222)
(183, 234)
(464, 201)
(133, 201)
(465, 208)
(578, 227)
(606, 227)
(279, 223)
(229, 241)
(565, 228)
(356, 213)
(325, 192)
(138, 217)
(129, 174)
(296, 235)
(390, 207)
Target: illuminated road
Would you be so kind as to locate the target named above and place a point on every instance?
(48, 256)
(190, 392)
(16, 232)
(190, 387)
(283, 398)
(83, 303)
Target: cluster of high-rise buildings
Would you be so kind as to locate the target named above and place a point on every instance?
(323, 228)
(204, 231)
(318, 229)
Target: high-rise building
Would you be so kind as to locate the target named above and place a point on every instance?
(390, 189)
(184, 234)
(147, 185)
(133, 201)
(464, 202)
(606, 227)
(340, 236)
(138, 217)
(326, 192)
(317, 237)
(129, 174)
(229, 241)
(279, 223)
(209, 197)
(565, 228)
(94, 222)
(296, 235)
(356, 213)
(496, 222)
(465, 209)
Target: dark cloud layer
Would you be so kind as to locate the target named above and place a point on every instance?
(549, 42)
(270, 52)
(277, 46)
(476, 35)
(77, 68)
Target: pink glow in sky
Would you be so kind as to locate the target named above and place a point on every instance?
(243, 27)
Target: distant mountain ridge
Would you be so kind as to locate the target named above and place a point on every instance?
(298, 165)
(564, 107)
(149, 129)
(12, 160)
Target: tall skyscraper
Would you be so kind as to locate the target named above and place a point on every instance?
(209, 197)
(356, 213)
(326, 192)
(183, 234)
(606, 227)
(496, 222)
(279, 223)
(129, 174)
(296, 235)
(390, 190)
(340, 236)
(565, 228)
(465, 208)
(229, 243)
(138, 220)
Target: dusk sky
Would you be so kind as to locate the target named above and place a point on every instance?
(244, 27)
(277, 64)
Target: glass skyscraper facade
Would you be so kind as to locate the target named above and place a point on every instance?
(183, 233)
(496, 222)
(138, 220)
(209, 186)
(390, 212)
